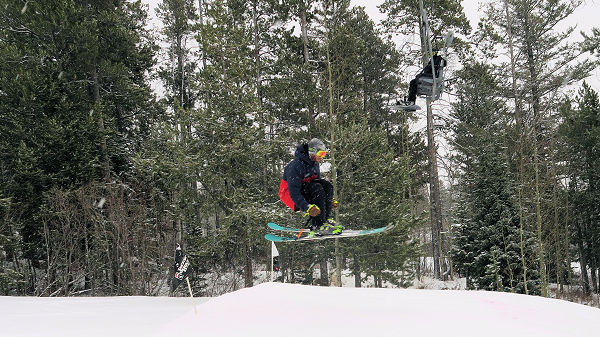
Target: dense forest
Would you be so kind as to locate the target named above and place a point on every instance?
(118, 141)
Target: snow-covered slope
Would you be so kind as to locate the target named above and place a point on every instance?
(89, 316)
(275, 309)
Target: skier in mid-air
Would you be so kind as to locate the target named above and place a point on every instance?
(303, 189)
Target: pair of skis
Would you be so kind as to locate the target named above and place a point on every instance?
(301, 233)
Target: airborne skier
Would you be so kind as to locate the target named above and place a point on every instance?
(303, 189)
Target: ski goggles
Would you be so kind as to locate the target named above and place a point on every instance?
(321, 153)
(318, 153)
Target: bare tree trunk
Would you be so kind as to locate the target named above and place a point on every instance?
(304, 29)
(435, 205)
(257, 71)
(332, 118)
(310, 114)
(566, 242)
(324, 272)
(536, 161)
(594, 269)
(520, 131)
(100, 123)
(356, 272)
(582, 259)
(434, 194)
(248, 272)
(558, 252)
(201, 18)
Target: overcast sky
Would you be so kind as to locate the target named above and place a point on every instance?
(585, 17)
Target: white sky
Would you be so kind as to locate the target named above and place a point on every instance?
(585, 16)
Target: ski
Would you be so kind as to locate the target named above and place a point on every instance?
(399, 106)
(277, 227)
(347, 233)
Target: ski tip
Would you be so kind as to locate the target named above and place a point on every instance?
(276, 238)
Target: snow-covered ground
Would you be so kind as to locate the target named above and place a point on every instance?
(90, 316)
(275, 309)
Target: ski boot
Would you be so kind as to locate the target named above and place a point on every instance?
(328, 228)
(338, 228)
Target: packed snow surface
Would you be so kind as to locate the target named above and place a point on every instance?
(275, 309)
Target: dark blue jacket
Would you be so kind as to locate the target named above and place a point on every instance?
(299, 171)
(438, 61)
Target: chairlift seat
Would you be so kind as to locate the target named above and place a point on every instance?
(425, 85)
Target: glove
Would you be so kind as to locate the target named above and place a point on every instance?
(313, 210)
(334, 203)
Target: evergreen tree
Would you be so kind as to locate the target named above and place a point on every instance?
(367, 169)
(74, 108)
(591, 42)
(406, 17)
(177, 74)
(581, 131)
(528, 27)
(372, 182)
(486, 248)
(228, 143)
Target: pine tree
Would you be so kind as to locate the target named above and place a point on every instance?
(76, 107)
(581, 131)
(406, 16)
(177, 74)
(372, 182)
(359, 73)
(591, 42)
(228, 141)
(529, 28)
(486, 246)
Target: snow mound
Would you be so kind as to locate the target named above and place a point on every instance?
(275, 309)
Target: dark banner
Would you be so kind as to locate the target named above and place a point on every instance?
(182, 267)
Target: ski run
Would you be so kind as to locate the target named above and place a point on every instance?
(276, 309)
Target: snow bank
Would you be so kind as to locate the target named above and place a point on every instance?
(275, 309)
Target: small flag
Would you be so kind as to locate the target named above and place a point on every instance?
(182, 267)
(275, 255)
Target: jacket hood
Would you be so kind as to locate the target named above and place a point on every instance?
(302, 153)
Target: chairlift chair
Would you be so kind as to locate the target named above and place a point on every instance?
(425, 85)
(428, 85)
